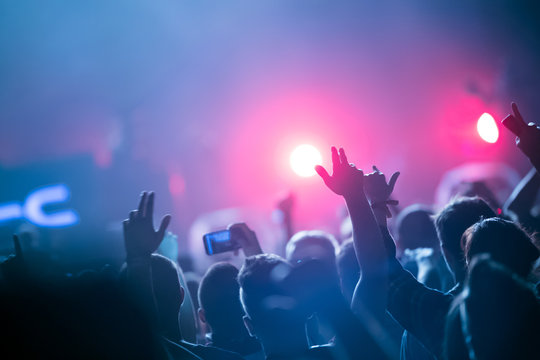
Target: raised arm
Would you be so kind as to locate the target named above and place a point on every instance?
(141, 240)
(420, 310)
(369, 298)
(527, 135)
(285, 208)
(378, 193)
(522, 199)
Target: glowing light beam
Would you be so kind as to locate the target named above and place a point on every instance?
(303, 160)
(487, 128)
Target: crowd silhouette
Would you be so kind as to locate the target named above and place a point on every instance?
(459, 283)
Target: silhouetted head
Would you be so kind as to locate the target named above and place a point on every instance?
(498, 313)
(306, 245)
(478, 189)
(416, 228)
(348, 269)
(168, 294)
(219, 300)
(504, 241)
(452, 222)
(272, 313)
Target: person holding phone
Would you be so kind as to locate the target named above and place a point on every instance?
(220, 308)
(236, 236)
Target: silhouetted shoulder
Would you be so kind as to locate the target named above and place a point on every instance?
(209, 352)
(319, 352)
(322, 352)
(179, 352)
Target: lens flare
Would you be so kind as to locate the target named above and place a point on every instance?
(303, 160)
(487, 128)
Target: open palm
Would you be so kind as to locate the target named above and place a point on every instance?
(346, 179)
(140, 237)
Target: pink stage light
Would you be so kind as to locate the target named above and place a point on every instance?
(177, 184)
(303, 160)
(487, 128)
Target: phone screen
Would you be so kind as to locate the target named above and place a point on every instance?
(218, 242)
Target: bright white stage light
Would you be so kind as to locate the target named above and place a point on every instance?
(487, 128)
(303, 160)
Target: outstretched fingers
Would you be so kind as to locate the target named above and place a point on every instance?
(343, 157)
(142, 204)
(517, 114)
(335, 160)
(149, 213)
(393, 180)
(163, 226)
(322, 173)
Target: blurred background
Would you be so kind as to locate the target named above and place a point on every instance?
(204, 102)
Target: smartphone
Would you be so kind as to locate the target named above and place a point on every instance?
(514, 125)
(219, 241)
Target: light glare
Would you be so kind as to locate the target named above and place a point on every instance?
(487, 128)
(303, 160)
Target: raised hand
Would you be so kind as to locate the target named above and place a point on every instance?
(140, 237)
(528, 140)
(369, 247)
(376, 188)
(346, 179)
(246, 238)
(286, 203)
